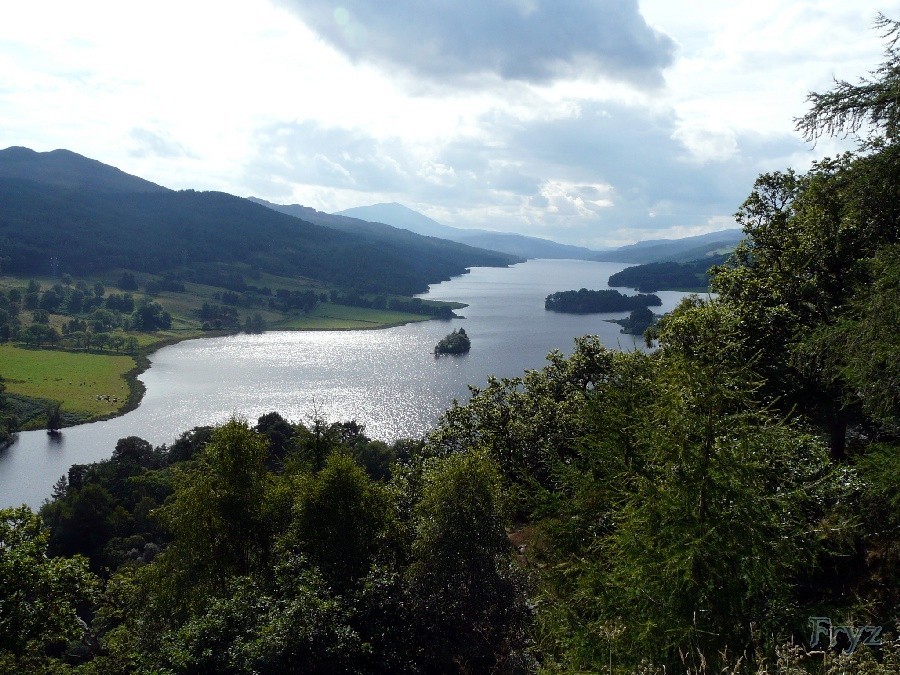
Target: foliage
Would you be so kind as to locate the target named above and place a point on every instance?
(164, 231)
(589, 302)
(803, 273)
(638, 321)
(218, 516)
(665, 276)
(669, 511)
(40, 595)
(464, 587)
(872, 103)
(456, 342)
(9, 421)
(339, 517)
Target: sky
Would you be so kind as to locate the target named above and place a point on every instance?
(589, 122)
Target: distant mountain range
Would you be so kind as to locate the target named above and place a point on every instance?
(675, 250)
(88, 217)
(513, 244)
(679, 250)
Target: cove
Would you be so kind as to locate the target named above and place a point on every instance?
(389, 379)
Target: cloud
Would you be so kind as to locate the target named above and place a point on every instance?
(526, 40)
(155, 144)
(313, 154)
(602, 173)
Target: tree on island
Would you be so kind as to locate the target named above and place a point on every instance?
(54, 418)
(456, 342)
(638, 321)
(596, 302)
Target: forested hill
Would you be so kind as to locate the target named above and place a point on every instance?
(66, 169)
(678, 250)
(88, 218)
(520, 245)
(423, 248)
(667, 276)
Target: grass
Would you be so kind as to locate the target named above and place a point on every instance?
(341, 317)
(75, 379)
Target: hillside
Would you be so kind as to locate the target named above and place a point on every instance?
(421, 247)
(679, 250)
(655, 250)
(87, 218)
(667, 276)
(66, 169)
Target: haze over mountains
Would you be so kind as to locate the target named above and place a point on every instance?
(513, 244)
(679, 250)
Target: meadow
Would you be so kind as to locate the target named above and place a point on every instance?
(88, 385)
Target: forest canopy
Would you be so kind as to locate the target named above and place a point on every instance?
(584, 301)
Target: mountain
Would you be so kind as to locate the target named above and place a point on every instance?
(524, 246)
(513, 244)
(657, 250)
(400, 216)
(687, 249)
(401, 238)
(66, 169)
(91, 218)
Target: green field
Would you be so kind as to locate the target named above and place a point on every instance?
(341, 317)
(75, 379)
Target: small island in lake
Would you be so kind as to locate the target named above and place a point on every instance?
(637, 322)
(669, 276)
(456, 342)
(597, 302)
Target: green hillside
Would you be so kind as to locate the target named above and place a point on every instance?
(84, 218)
(667, 276)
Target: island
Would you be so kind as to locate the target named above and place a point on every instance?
(456, 342)
(690, 276)
(597, 302)
(637, 322)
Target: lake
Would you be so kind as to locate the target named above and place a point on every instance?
(389, 379)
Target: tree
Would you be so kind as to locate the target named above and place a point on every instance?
(638, 321)
(339, 518)
(38, 334)
(808, 257)
(848, 108)
(467, 597)
(721, 487)
(127, 282)
(218, 517)
(40, 595)
(150, 316)
(456, 342)
(867, 340)
(278, 431)
(54, 417)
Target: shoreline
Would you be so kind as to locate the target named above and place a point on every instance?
(137, 389)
